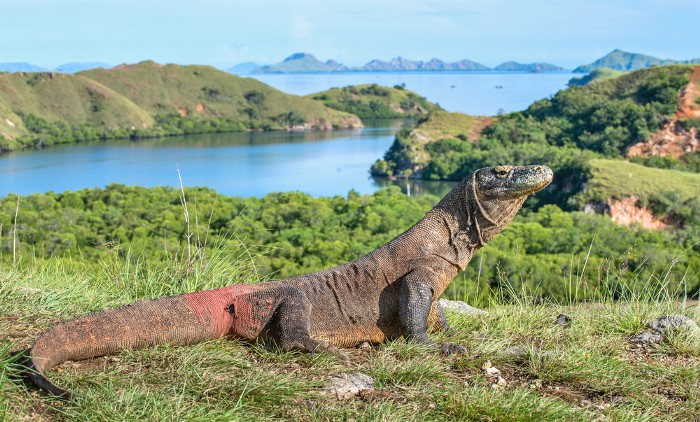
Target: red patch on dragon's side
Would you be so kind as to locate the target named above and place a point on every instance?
(213, 307)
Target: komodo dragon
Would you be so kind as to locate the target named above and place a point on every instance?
(383, 295)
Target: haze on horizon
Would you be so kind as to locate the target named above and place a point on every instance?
(224, 33)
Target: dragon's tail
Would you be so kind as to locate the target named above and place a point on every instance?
(178, 320)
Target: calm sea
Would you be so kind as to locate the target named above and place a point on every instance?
(477, 93)
(254, 164)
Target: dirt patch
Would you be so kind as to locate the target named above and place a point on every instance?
(675, 139)
(626, 212)
(480, 123)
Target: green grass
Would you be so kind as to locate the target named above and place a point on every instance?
(442, 125)
(619, 179)
(553, 373)
(206, 91)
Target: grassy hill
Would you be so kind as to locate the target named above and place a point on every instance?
(595, 75)
(376, 102)
(147, 99)
(61, 98)
(619, 179)
(208, 92)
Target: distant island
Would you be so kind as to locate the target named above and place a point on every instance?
(73, 67)
(626, 62)
(308, 63)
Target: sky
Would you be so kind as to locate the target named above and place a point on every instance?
(223, 33)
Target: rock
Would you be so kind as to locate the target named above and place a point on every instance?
(516, 351)
(350, 384)
(365, 345)
(667, 323)
(564, 320)
(648, 337)
(460, 307)
(493, 374)
(662, 326)
(492, 371)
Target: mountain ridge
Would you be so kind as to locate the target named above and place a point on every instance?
(308, 63)
(625, 61)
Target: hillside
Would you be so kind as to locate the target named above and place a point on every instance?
(375, 102)
(619, 179)
(207, 92)
(148, 99)
(63, 99)
(625, 62)
(595, 75)
(679, 135)
(601, 119)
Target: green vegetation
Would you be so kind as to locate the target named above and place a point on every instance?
(410, 151)
(565, 132)
(686, 162)
(293, 233)
(595, 75)
(619, 179)
(579, 373)
(376, 102)
(145, 100)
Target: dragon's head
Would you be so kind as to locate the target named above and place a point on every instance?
(499, 192)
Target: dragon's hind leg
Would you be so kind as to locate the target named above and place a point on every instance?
(293, 324)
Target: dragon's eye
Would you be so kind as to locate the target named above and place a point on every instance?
(502, 171)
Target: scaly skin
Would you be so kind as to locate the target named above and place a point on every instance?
(388, 293)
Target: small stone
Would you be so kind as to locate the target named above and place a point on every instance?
(492, 371)
(647, 337)
(502, 382)
(585, 403)
(564, 320)
(460, 307)
(350, 384)
(667, 323)
(364, 346)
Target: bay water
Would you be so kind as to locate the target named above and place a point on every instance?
(256, 163)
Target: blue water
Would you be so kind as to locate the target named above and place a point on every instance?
(254, 164)
(476, 93)
(242, 164)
